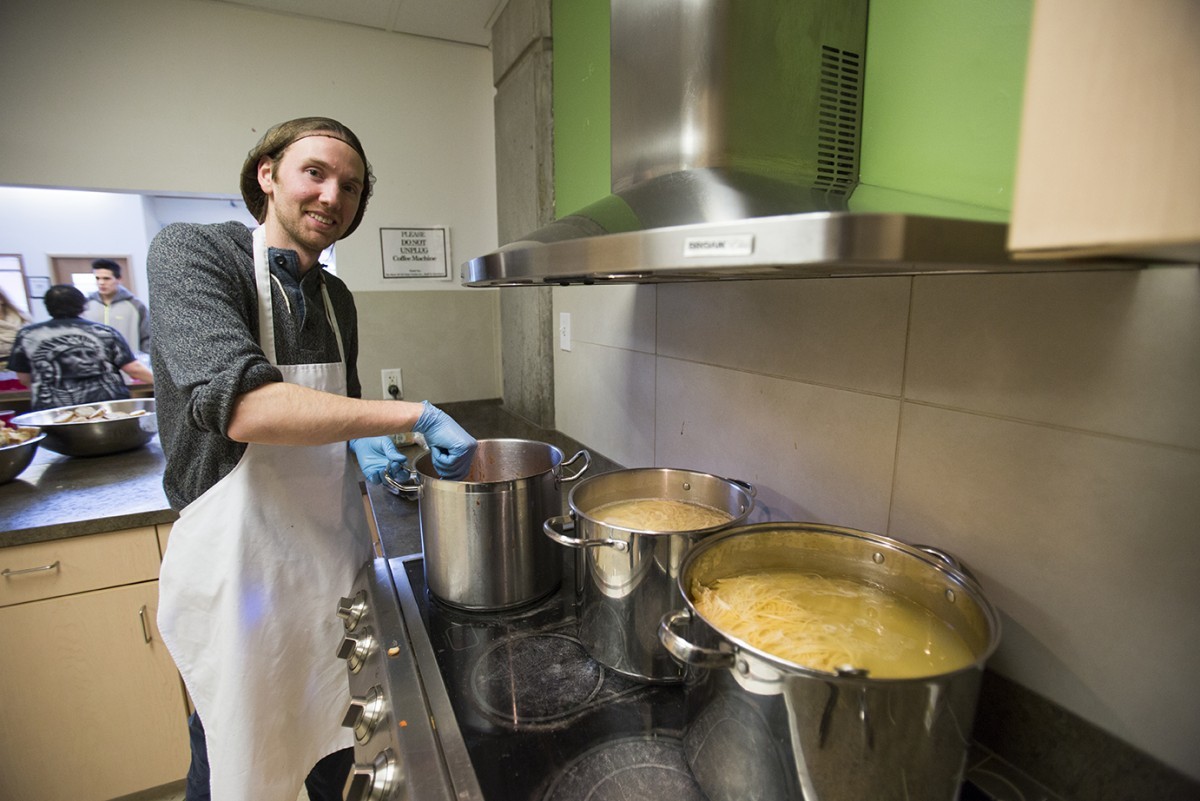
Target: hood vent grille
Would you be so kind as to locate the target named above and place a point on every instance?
(838, 120)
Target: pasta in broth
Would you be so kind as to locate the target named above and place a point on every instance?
(832, 623)
(660, 514)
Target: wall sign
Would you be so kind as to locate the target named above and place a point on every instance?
(415, 252)
(39, 285)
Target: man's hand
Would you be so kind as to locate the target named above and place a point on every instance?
(450, 447)
(376, 456)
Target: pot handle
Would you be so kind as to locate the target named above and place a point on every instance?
(587, 462)
(567, 522)
(949, 558)
(684, 651)
(746, 485)
(396, 488)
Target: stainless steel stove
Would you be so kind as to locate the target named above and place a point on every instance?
(504, 706)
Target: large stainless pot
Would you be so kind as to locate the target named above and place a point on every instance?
(764, 729)
(627, 579)
(482, 536)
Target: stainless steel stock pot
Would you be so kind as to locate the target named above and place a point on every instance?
(627, 579)
(481, 536)
(760, 728)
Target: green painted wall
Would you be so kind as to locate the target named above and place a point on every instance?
(941, 106)
(581, 111)
(942, 97)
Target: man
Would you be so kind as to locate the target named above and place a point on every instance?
(67, 360)
(113, 304)
(254, 350)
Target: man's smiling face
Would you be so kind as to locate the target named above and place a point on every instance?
(313, 192)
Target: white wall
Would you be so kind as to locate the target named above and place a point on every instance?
(40, 224)
(167, 97)
(1042, 427)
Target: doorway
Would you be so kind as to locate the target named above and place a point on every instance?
(77, 271)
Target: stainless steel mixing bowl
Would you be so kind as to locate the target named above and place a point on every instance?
(95, 437)
(15, 458)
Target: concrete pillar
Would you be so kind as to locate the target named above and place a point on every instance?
(522, 61)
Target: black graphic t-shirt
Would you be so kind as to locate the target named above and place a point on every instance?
(71, 361)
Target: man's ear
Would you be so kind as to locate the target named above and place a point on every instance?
(265, 183)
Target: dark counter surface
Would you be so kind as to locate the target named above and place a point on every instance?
(68, 496)
(396, 520)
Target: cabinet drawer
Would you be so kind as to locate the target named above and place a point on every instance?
(77, 564)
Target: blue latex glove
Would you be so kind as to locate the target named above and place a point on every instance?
(450, 447)
(377, 455)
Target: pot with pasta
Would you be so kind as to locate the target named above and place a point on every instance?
(632, 530)
(828, 663)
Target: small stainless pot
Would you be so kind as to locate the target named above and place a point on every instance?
(480, 536)
(626, 579)
(760, 728)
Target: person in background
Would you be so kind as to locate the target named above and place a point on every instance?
(113, 304)
(259, 407)
(12, 318)
(68, 360)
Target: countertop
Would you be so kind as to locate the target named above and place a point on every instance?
(68, 496)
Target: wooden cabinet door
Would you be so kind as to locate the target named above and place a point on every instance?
(1108, 162)
(90, 709)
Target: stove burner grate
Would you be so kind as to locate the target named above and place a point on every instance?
(535, 678)
(635, 767)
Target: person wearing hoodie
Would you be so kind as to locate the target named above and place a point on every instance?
(115, 306)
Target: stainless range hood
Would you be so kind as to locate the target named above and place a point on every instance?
(735, 147)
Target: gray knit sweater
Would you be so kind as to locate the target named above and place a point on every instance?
(205, 348)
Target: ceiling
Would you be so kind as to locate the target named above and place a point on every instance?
(467, 21)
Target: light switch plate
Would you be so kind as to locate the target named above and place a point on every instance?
(564, 330)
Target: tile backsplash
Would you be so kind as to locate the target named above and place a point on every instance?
(1042, 427)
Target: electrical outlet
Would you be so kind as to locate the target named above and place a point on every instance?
(392, 386)
(564, 330)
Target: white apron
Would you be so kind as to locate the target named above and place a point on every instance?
(248, 592)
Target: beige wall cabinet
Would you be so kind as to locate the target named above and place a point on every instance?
(1108, 161)
(92, 705)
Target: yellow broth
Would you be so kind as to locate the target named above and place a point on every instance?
(832, 623)
(659, 514)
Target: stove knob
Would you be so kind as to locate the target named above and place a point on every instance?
(379, 781)
(355, 650)
(364, 714)
(351, 610)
